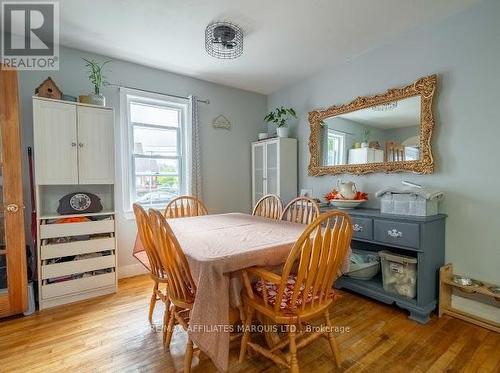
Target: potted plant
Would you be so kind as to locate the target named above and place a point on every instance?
(279, 118)
(98, 80)
(366, 136)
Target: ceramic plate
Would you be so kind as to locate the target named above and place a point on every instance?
(346, 203)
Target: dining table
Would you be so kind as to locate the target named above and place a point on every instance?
(217, 247)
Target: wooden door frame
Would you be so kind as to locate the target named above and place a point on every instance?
(16, 301)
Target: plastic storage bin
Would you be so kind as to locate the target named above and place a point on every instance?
(399, 274)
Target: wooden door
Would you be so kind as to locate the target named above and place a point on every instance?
(56, 155)
(13, 277)
(96, 149)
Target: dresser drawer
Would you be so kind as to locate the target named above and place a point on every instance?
(397, 233)
(362, 228)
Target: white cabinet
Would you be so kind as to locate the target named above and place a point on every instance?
(274, 168)
(74, 153)
(55, 137)
(74, 144)
(365, 155)
(96, 149)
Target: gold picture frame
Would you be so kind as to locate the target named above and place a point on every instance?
(424, 87)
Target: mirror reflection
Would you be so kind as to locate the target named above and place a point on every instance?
(383, 133)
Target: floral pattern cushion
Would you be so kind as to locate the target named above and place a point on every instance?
(272, 293)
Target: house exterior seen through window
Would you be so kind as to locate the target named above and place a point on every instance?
(157, 149)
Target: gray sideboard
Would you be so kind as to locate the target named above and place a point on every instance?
(419, 237)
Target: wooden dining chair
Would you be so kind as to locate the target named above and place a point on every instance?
(156, 269)
(394, 152)
(269, 206)
(185, 206)
(302, 292)
(181, 287)
(301, 210)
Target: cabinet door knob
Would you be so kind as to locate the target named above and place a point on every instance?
(395, 233)
(73, 144)
(80, 144)
(357, 228)
(12, 208)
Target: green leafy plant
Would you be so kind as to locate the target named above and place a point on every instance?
(280, 116)
(96, 76)
(366, 135)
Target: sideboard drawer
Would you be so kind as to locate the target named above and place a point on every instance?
(397, 233)
(362, 228)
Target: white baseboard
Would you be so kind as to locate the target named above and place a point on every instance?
(131, 270)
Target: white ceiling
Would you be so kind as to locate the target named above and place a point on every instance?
(285, 40)
(405, 114)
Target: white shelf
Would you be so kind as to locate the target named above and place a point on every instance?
(72, 103)
(58, 216)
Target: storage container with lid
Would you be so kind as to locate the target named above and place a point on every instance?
(399, 273)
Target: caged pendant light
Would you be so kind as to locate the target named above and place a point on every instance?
(223, 40)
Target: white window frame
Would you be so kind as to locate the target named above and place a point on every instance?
(184, 140)
(341, 148)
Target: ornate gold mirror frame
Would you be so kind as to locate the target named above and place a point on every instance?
(424, 87)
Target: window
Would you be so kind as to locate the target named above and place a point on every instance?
(157, 148)
(336, 147)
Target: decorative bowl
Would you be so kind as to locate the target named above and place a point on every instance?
(345, 204)
(494, 289)
(466, 281)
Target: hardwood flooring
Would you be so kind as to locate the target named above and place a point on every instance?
(112, 334)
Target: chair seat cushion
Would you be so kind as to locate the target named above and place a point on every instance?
(272, 293)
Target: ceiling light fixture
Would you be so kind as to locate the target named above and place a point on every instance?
(223, 40)
(388, 106)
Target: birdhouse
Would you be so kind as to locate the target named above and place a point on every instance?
(48, 89)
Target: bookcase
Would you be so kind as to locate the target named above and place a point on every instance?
(74, 153)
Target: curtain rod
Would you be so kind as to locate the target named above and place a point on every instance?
(158, 93)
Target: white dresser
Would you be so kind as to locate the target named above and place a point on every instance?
(365, 155)
(74, 152)
(274, 168)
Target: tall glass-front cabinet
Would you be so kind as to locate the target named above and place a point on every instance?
(274, 168)
(13, 278)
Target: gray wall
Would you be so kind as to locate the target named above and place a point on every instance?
(464, 51)
(225, 154)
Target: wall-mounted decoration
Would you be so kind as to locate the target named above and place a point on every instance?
(388, 132)
(221, 122)
(48, 89)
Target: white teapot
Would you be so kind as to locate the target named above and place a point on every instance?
(346, 190)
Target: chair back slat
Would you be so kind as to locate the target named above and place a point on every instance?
(301, 210)
(185, 206)
(320, 252)
(181, 287)
(269, 206)
(147, 241)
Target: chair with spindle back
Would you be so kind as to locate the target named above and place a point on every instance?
(394, 152)
(301, 210)
(269, 206)
(302, 292)
(184, 206)
(181, 287)
(156, 269)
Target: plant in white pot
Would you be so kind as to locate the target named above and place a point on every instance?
(98, 80)
(279, 118)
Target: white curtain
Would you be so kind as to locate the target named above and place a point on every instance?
(195, 149)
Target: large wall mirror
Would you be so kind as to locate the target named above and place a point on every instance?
(390, 132)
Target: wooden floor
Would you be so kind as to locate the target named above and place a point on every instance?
(112, 334)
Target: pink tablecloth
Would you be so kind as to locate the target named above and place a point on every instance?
(216, 246)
